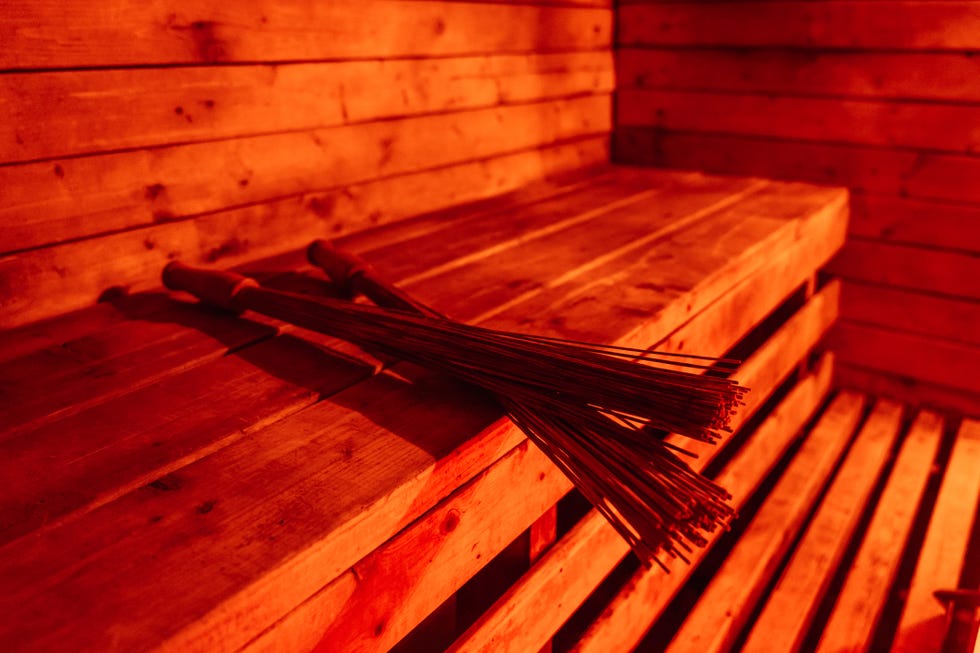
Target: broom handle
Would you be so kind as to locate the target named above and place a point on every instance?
(216, 287)
(354, 274)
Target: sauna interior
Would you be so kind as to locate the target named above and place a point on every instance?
(792, 184)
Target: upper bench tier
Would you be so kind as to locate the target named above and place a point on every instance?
(173, 475)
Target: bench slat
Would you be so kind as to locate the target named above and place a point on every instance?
(74, 465)
(861, 601)
(519, 272)
(402, 581)
(736, 587)
(622, 625)
(679, 276)
(944, 550)
(63, 379)
(555, 587)
(791, 605)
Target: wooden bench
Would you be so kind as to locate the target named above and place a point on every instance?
(181, 479)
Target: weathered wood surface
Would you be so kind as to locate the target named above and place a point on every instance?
(146, 187)
(645, 595)
(878, 96)
(230, 530)
(859, 606)
(792, 604)
(127, 32)
(45, 282)
(851, 25)
(943, 127)
(119, 109)
(944, 551)
(139, 132)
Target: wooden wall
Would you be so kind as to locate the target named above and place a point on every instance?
(880, 96)
(135, 132)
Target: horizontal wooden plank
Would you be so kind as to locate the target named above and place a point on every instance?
(517, 266)
(399, 583)
(624, 621)
(818, 25)
(943, 552)
(911, 311)
(450, 244)
(63, 379)
(51, 35)
(259, 495)
(861, 602)
(922, 175)
(898, 74)
(537, 175)
(945, 225)
(646, 306)
(940, 362)
(101, 110)
(936, 127)
(76, 464)
(913, 392)
(32, 288)
(944, 272)
(71, 198)
(790, 607)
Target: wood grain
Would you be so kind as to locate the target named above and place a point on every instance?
(63, 468)
(947, 225)
(60, 380)
(127, 32)
(945, 272)
(943, 552)
(116, 109)
(793, 602)
(74, 275)
(722, 610)
(750, 302)
(300, 501)
(921, 175)
(913, 392)
(876, 96)
(627, 617)
(402, 581)
(859, 606)
(52, 201)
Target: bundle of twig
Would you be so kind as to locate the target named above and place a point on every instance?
(591, 408)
